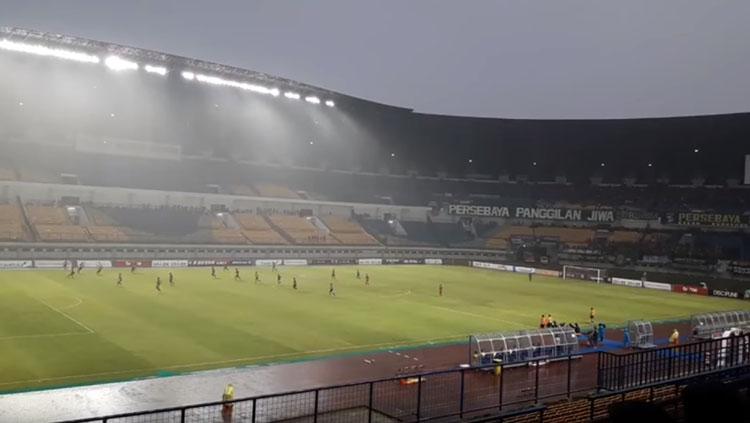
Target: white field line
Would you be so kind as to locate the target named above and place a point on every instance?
(242, 359)
(67, 316)
(398, 294)
(79, 301)
(43, 335)
(481, 316)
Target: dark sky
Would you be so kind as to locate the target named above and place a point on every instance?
(515, 58)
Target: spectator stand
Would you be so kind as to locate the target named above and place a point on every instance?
(518, 347)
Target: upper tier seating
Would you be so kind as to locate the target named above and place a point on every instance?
(107, 234)
(273, 190)
(434, 233)
(570, 236)
(71, 233)
(228, 236)
(301, 230)
(257, 230)
(7, 174)
(625, 236)
(47, 215)
(163, 222)
(12, 227)
(348, 232)
(52, 224)
(501, 238)
(243, 190)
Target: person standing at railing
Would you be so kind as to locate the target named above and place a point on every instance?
(674, 338)
(228, 407)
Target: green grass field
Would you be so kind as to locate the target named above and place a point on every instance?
(56, 331)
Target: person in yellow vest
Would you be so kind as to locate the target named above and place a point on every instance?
(227, 408)
(674, 339)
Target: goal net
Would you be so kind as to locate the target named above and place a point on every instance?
(584, 273)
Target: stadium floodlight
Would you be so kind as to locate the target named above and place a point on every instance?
(41, 50)
(188, 75)
(215, 80)
(291, 95)
(159, 70)
(117, 63)
(312, 99)
(330, 103)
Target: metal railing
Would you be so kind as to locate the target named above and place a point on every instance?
(459, 393)
(619, 371)
(486, 394)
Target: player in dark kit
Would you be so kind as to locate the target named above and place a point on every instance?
(213, 272)
(358, 277)
(530, 276)
(171, 279)
(72, 273)
(257, 277)
(333, 274)
(237, 274)
(278, 279)
(158, 284)
(440, 290)
(132, 269)
(119, 279)
(294, 282)
(367, 279)
(80, 267)
(273, 266)
(331, 290)
(99, 270)
(65, 265)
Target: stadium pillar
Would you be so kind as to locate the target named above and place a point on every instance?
(369, 407)
(182, 415)
(419, 396)
(461, 404)
(536, 383)
(252, 419)
(500, 395)
(315, 413)
(570, 369)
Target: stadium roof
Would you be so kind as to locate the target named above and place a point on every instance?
(175, 64)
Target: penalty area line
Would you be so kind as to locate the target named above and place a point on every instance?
(67, 316)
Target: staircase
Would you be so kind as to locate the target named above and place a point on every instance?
(280, 231)
(26, 223)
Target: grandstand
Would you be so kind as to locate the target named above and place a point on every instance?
(348, 232)
(300, 230)
(450, 237)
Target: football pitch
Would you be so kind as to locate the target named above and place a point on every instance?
(56, 331)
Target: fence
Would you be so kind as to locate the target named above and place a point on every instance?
(619, 371)
(459, 393)
(484, 394)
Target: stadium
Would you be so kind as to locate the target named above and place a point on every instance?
(170, 226)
